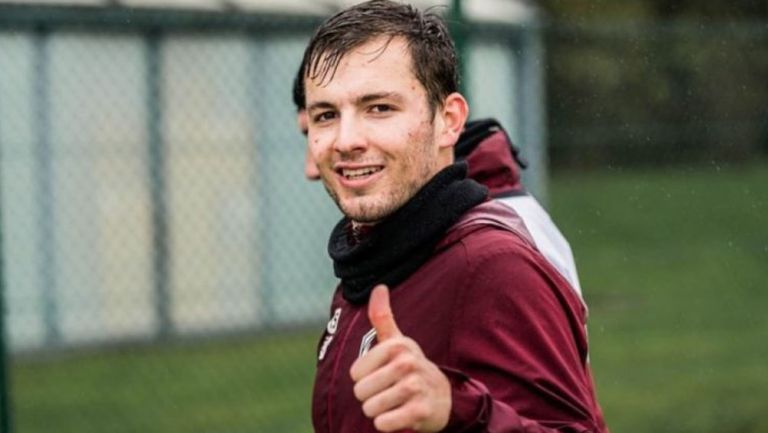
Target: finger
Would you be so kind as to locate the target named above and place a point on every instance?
(386, 376)
(377, 357)
(410, 415)
(380, 314)
(390, 398)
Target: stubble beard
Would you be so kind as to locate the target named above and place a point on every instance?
(370, 210)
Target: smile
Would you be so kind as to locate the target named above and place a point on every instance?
(359, 173)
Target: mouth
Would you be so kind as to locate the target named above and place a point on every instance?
(358, 173)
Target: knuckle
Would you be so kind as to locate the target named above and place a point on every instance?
(404, 364)
(396, 347)
(389, 423)
(369, 409)
(410, 415)
(358, 391)
(420, 411)
(354, 371)
(411, 385)
(381, 424)
(411, 344)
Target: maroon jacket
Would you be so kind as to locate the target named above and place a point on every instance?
(494, 315)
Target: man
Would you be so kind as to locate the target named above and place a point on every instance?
(481, 332)
(493, 161)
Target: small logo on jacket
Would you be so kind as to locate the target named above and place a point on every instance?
(367, 342)
(330, 330)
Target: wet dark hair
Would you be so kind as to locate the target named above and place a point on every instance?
(433, 54)
(298, 90)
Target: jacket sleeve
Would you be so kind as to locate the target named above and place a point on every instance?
(518, 350)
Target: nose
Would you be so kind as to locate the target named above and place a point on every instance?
(350, 137)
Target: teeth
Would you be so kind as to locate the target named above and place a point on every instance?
(359, 172)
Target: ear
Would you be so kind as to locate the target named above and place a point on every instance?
(451, 119)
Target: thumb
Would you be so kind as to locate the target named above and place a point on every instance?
(380, 314)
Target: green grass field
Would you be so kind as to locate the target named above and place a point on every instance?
(674, 264)
(675, 267)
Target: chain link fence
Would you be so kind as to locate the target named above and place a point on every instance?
(153, 193)
(156, 187)
(165, 265)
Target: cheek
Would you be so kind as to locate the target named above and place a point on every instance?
(314, 140)
(315, 144)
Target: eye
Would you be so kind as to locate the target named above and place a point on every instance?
(381, 108)
(324, 116)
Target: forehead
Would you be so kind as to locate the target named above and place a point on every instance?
(382, 64)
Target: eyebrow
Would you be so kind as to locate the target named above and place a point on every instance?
(319, 105)
(361, 100)
(376, 96)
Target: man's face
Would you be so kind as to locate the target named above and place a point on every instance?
(371, 131)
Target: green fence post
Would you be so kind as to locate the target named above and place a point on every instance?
(46, 196)
(5, 384)
(157, 184)
(532, 93)
(263, 154)
(458, 30)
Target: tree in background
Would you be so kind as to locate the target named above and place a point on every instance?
(656, 81)
(657, 9)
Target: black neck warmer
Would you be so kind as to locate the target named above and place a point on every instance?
(396, 247)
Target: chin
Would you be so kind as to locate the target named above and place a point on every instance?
(365, 216)
(366, 210)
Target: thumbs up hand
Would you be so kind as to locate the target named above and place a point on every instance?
(397, 385)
